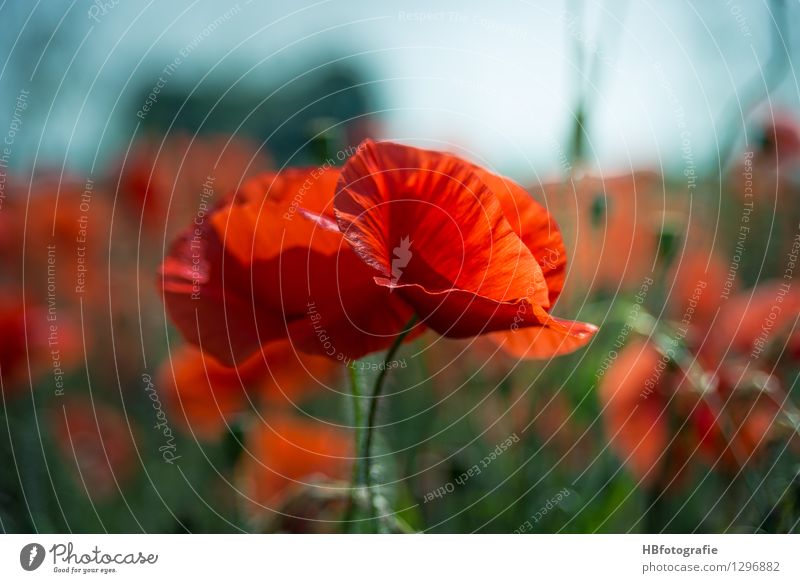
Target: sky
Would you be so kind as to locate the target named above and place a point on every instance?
(498, 82)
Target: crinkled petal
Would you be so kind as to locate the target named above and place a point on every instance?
(434, 231)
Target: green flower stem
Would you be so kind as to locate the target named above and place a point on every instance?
(356, 382)
(377, 389)
(362, 471)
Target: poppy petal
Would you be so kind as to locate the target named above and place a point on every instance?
(635, 421)
(286, 453)
(434, 231)
(204, 305)
(260, 270)
(557, 338)
(534, 226)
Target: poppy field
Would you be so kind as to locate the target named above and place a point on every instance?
(289, 308)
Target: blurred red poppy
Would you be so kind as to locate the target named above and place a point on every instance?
(756, 323)
(96, 442)
(658, 418)
(205, 394)
(697, 286)
(33, 343)
(742, 417)
(201, 393)
(20, 344)
(634, 412)
(55, 232)
(658, 415)
(168, 180)
(57, 241)
(285, 454)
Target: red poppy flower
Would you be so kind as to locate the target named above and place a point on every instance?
(55, 230)
(649, 402)
(409, 231)
(753, 321)
(258, 271)
(698, 287)
(287, 453)
(95, 440)
(168, 181)
(634, 412)
(201, 393)
(743, 418)
(205, 394)
(32, 343)
(657, 419)
(19, 348)
(469, 250)
(12, 343)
